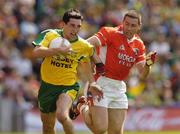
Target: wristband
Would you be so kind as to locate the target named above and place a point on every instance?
(100, 68)
(99, 64)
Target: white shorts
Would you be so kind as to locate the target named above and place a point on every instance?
(114, 93)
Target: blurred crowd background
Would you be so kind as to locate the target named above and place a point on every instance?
(22, 20)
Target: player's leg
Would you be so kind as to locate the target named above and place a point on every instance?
(94, 116)
(47, 107)
(82, 106)
(48, 122)
(116, 119)
(85, 112)
(116, 100)
(117, 113)
(99, 118)
(63, 104)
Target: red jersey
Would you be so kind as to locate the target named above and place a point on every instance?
(118, 53)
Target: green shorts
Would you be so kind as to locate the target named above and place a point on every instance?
(48, 95)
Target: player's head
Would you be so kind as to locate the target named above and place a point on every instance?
(72, 21)
(131, 23)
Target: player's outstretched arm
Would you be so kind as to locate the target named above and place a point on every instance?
(95, 58)
(146, 66)
(86, 69)
(94, 41)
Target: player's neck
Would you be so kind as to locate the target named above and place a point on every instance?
(72, 39)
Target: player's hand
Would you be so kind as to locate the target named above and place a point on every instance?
(150, 58)
(100, 70)
(96, 91)
(89, 99)
(64, 49)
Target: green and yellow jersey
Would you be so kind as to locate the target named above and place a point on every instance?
(60, 69)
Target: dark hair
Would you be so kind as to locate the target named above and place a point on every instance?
(72, 13)
(134, 14)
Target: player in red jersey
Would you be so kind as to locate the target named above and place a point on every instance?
(120, 49)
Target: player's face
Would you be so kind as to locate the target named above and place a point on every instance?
(72, 28)
(130, 26)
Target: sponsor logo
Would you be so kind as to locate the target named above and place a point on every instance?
(136, 51)
(62, 61)
(121, 47)
(126, 60)
(59, 64)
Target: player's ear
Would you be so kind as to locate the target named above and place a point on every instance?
(61, 24)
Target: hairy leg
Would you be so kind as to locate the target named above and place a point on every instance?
(63, 104)
(95, 117)
(48, 120)
(116, 119)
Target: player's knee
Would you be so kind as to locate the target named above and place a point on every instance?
(62, 116)
(115, 131)
(48, 121)
(100, 130)
(48, 128)
(88, 122)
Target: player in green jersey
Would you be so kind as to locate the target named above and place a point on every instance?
(59, 71)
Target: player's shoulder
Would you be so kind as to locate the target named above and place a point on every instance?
(108, 29)
(83, 41)
(52, 31)
(139, 42)
(138, 39)
(85, 45)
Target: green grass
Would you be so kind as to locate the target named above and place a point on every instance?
(165, 132)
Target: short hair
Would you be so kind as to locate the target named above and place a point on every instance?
(134, 14)
(72, 13)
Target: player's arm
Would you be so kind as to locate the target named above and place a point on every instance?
(41, 51)
(86, 74)
(42, 44)
(99, 66)
(94, 41)
(95, 58)
(144, 67)
(143, 70)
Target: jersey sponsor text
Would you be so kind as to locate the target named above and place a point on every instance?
(59, 64)
(126, 58)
